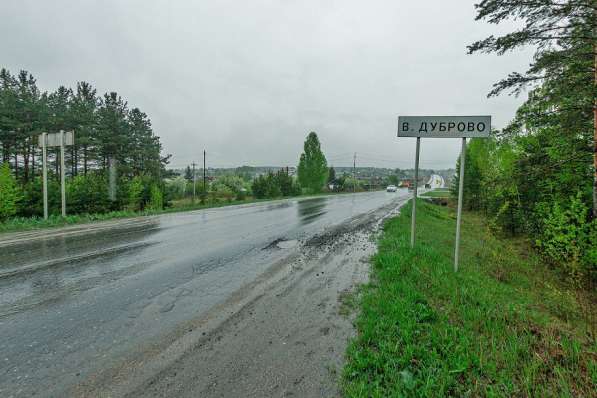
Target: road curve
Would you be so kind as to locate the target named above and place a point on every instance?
(80, 299)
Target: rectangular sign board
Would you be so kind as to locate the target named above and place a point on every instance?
(444, 126)
(54, 139)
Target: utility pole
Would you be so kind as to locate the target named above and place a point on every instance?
(354, 173)
(194, 180)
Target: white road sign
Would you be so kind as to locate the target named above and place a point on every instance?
(54, 139)
(444, 126)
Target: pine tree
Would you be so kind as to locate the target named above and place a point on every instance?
(564, 34)
(84, 114)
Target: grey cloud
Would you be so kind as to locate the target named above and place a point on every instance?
(247, 80)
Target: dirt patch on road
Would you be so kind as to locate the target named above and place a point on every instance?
(284, 335)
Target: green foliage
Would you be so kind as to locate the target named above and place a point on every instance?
(178, 187)
(188, 174)
(567, 237)
(393, 180)
(136, 194)
(545, 156)
(312, 169)
(288, 185)
(87, 194)
(266, 186)
(224, 192)
(331, 175)
(9, 193)
(234, 183)
(105, 128)
(348, 184)
(156, 201)
(503, 325)
(475, 162)
(275, 185)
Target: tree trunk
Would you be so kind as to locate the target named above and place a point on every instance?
(33, 162)
(72, 160)
(16, 164)
(85, 159)
(76, 160)
(26, 162)
(595, 123)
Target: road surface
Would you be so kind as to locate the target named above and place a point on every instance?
(164, 304)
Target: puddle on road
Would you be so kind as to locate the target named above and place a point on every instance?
(287, 244)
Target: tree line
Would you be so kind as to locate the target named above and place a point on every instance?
(107, 131)
(537, 176)
(105, 128)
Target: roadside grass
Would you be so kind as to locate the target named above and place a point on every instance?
(504, 325)
(437, 193)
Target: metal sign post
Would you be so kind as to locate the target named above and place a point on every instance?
(62, 179)
(414, 215)
(443, 127)
(460, 190)
(44, 143)
(61, 140)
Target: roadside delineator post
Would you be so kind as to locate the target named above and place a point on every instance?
(443, 127)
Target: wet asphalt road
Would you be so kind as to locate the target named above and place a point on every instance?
(71, 304)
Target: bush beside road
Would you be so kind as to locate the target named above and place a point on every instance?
(504, 325)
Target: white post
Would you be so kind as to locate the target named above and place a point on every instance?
(112, 178)
(44, 151)
(414, 214)
(460, 190)
(62, 177)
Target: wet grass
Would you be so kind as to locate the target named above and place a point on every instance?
(504, 325)
(437, 193)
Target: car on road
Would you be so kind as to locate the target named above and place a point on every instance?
(391, 188)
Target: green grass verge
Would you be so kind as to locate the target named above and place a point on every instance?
(504, 325)
(437, 193)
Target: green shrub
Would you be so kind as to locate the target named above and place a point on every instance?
(234, 183)
(87, 194)
(224, 192)
(567, 237)
(9, 193)
(156, 201)
(135, 194)
(274, 185)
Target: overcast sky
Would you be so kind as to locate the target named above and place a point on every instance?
(247, 80)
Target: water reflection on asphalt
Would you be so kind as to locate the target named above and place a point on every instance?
(86, 298)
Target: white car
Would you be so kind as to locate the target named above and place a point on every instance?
(391, 188)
